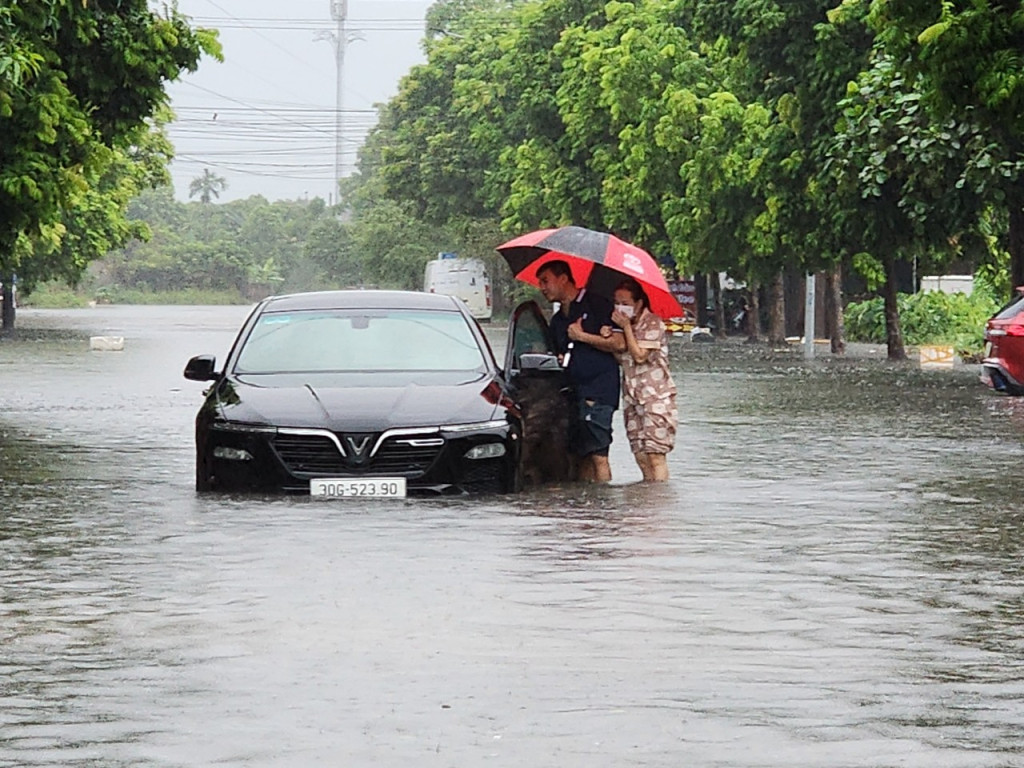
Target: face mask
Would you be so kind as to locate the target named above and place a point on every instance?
(625, 309)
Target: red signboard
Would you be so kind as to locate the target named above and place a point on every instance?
(685, 292)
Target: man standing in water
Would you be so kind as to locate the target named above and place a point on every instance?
(589, 360)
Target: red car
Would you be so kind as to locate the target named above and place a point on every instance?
(1003, 366)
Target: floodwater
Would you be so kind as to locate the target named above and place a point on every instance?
(833, 577)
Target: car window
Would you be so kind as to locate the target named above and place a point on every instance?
(360, 340)
(529, 333)
(1012, 309)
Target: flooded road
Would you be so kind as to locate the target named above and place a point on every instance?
(833, 577)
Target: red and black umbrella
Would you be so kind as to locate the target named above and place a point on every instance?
(598, 260)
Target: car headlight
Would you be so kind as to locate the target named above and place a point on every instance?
(486, 451)
(477, 426)
(232, 426)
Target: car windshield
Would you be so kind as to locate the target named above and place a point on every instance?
(359, 340)
(1011, 310)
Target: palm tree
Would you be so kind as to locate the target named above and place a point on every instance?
(207, 186)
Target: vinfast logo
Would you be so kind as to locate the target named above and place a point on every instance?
(358, 448)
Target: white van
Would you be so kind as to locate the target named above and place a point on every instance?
(465, 278)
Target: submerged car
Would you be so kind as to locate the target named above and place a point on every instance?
(377, 393)
(1003, 365)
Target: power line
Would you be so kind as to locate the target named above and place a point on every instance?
(314, 110)
(289, 152)
(278, 23)
(244, 25)
(384, 24)
(237, 101)
(273, 139)
(199, 163)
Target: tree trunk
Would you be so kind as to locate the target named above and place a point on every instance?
(8, 306)
(701, 285)
(893, 332)
(753, 318)
(777, 312)
(1016, 244)
(834, 309)
(716, 295)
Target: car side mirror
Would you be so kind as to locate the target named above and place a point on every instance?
(201, 368)
(538, 361)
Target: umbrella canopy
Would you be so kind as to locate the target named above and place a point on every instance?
(598, 260)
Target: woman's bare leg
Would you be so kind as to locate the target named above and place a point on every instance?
(658, 463)
(643, 460)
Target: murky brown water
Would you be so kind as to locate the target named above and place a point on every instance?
(832, 578)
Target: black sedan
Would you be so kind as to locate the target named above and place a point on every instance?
(379, 393)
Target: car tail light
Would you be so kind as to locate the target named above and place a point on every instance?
(487, 295)
(1007, 330)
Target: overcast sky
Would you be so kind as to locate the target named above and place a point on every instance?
(265, 118)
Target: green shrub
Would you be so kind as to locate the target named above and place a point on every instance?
(53, 296)
(931, 317)
(186, 296)
(56, 295)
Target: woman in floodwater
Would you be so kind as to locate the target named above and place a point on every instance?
(648, 391)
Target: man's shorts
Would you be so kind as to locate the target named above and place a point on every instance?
(592, 429)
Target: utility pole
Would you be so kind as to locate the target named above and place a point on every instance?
(340, 38)
(339, 12)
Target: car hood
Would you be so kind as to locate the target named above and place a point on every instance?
(350, 406)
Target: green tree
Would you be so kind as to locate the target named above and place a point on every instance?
(246, 248)
(970, 57)
(329, 247)
(902, 167)
(674, 152)
(207, 186)
(393, 245)
(93, 223)
(788, 59)
(77, 83)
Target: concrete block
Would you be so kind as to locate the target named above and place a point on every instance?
(106, 343)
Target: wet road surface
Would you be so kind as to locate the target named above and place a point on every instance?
(832, 577)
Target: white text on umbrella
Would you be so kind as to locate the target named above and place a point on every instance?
(632, 262)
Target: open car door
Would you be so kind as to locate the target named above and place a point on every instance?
(541, 389)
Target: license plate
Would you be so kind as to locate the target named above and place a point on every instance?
(368, 488)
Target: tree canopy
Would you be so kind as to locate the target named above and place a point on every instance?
(970, 57)
(80, 86)
(751, 137)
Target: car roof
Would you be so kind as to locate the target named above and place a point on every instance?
(359, 299)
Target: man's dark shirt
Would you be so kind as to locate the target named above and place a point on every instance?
(594, 374)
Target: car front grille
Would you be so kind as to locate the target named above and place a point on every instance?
(398, 456)
(312, 455)
(309, 454)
